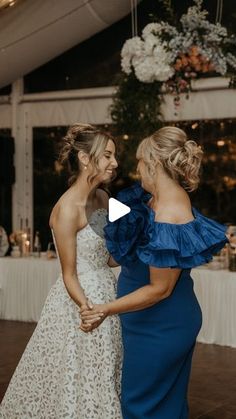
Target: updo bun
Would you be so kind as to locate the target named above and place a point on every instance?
(179, 157)
(86, 138)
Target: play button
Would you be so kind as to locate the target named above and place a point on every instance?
(116, 209)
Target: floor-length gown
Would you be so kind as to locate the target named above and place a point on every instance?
(159, 341)
(64, 372)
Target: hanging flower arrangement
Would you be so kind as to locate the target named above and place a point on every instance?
(167, 58)
(176, 55)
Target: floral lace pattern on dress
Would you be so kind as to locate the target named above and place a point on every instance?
(64, 372)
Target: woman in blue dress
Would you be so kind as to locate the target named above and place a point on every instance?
(157, 244)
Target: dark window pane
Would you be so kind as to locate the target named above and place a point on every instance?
(5, 182)
(216, 196)
(5, 90)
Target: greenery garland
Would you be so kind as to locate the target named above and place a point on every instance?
(136, 106)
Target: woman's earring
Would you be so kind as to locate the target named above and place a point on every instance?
(85, 167)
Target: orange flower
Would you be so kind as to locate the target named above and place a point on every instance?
(211, 67)
(178, 64)
(205, 68)
(194, 50)
(184, 60)
(204, 59)
(194, 60)
(198, 67)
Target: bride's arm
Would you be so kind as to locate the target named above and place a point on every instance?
(65, 231)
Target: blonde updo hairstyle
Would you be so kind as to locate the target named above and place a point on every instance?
(86, 138)
(178, 156)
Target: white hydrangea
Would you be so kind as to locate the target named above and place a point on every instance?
(151, 28)
(150, 42)
(149, 58)
(133, 47)
(150, 70)
(153, 67)
(144, 69)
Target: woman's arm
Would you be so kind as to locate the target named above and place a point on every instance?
(112, 263)
(65, 231)
(162, 283)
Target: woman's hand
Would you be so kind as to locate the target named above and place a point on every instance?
(88, 305)
(112, 263)
(92, 318)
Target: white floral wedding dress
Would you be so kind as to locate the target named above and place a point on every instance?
(64, 372)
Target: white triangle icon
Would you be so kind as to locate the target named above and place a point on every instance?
(116, 209)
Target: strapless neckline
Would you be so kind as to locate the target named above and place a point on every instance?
(88, 224)
(92, 215)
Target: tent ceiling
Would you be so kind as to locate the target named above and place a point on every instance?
(34, 32)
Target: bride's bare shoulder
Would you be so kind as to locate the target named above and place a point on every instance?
(102, 197)
(64, 211)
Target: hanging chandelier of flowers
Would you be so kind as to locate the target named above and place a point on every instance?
(174, 56)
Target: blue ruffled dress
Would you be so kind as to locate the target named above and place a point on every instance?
(159, 341)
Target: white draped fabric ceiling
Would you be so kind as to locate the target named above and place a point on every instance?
(33, 32)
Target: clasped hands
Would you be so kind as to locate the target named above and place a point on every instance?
(92, 315)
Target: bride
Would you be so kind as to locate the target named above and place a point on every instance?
(64, 372)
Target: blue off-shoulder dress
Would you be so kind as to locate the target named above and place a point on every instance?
(159, 341)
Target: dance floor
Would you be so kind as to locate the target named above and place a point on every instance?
(213, 380)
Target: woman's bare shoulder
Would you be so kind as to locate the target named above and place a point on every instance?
(65, 211)
(175, 212)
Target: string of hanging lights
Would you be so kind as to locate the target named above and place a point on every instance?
(134, 17)
(219, 11)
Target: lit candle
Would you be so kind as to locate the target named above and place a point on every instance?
(27, 247)
(23, 243)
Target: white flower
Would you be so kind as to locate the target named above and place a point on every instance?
(157, 29)
(144, 69)
(155, 67)
(151, 28)
(132, 48)
(149, 44)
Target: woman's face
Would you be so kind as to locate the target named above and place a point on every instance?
(146, 180)
(107, 163)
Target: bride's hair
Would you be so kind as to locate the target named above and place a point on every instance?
(86, 138)
(179, 157)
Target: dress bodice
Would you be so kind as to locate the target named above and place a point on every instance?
(91, 251)
(91, 247)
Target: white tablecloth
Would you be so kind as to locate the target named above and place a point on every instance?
(216, 293)
(24, 286)
(25, 283)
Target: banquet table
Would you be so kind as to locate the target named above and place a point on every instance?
(216, 293)
(26, 282)
(24, 286)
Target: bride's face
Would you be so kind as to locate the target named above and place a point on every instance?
(107, 163)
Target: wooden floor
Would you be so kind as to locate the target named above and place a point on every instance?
(212, 392)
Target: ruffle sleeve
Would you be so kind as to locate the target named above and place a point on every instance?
(125, 234)
(182, 245)
(138, 236)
